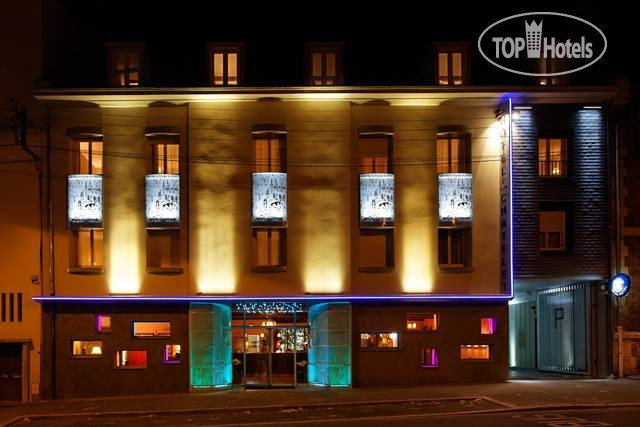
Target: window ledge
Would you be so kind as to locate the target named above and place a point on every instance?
(164, 270)
(552, 250)
(85, 270)
(455, 269)
(375, 269)
(554, 177)
(269, 269)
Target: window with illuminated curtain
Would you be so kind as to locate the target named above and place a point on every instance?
(453, 159)
(86, 244)
(376, 242)
(131, 359)
(552, 157)
(125, 64)
(225, 65)
(450, 67)
(269, 243)
(325, 68)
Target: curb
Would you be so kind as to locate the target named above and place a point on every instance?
(507, 408)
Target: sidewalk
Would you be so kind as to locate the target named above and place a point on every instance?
(511, 394)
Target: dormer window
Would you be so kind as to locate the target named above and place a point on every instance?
(324, 64)
(451, 65)
(125, 64)
(224, 64)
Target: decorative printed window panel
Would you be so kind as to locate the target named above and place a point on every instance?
(455, 198)
(151, 329)
(84, 199)
(377, 207)
(269, 198)
(162, 200)
(475, 352)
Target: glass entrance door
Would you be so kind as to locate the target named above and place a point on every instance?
(269, 345)
(257, 349)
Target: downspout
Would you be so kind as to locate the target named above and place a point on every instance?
(52, 279)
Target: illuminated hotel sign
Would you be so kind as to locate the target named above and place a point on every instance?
(377, 199)
(84, 198)
(162, 200)
(455, 198)
(269, 198)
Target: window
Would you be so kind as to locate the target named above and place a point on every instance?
(171, 353)
(103, 323)
(382, 340)
(376, 249)
(325, 64)
(269, 153)
(12, 311)
(124, 65)
(428, 358)
(552, 230)
(488, 325)
(422, 322)
(87, 248)
(225, 65)
(151, 329)
(552, 157)
(450, 66)
(165, 158)
(163, 249)
(453, 154)
(88, 157)
(131, 359)
(375, 155)
(270, 247)
(475, 352)
(552, 65)
(454, 247)
(86, 348)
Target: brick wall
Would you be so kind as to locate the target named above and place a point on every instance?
(585, 189)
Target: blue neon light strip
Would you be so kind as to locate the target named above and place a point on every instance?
(510, 199)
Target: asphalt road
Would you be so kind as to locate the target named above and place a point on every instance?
(372, 415)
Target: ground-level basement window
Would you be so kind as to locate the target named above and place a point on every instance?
(379, 340)
(171, 353)
(422, 322)
(429, 358)
(151, 329)
(131, 359)
(488, 325)
(475, 352)
(80, 348)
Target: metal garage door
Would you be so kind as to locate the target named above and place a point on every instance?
(563, 329)
(10, 371)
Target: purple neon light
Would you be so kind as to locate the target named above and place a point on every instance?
(434, 360)
(510, 199)
(234, 298)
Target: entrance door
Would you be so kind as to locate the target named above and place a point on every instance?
(10, 371)
(258, 357)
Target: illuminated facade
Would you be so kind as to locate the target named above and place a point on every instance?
(278, 237)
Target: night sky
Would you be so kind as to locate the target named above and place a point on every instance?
(385, 44)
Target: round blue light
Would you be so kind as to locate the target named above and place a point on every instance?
(620, 285)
